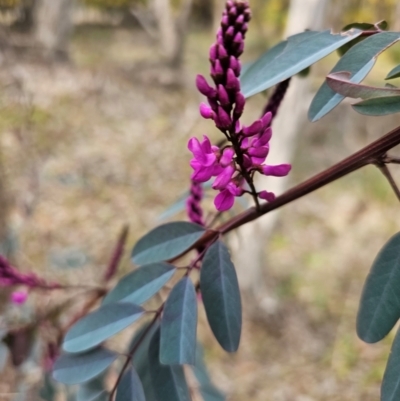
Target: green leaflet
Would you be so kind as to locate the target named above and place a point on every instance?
(166, 242)
(380, 301)
(178, 325)
(221, 296)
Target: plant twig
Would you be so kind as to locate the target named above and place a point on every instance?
(383, 168)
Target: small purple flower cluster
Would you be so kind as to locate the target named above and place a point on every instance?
(10, 276)
(232, 165)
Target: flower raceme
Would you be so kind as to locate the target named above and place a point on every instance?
(233, 165)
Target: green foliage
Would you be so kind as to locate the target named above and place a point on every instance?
(358, 61)
(220, 291)
(80, 368)
(380, 106)
(130, 388)
(207, 389)
(379, 307)
(166, 242)
(140, 285)
(100, 325)
(178, 325)
(299, 52)
(391, 380)
(92, 390)
(394, 73)
(168, 381)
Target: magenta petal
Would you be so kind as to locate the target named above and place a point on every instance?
(206, 111)
(224, 200)
(262, 151)
(223, 120)
(239, 103)
(203, 157)
(227, 156)
(266, 119)
(263, 139)
(222, 53)
(206, 144)
(257, 160)
(238, 38)
(279, 170)
(203, 174)
(213, 52)
(268, 196)
(223, 96)
(204, 88)
(254, 128)
(223, 178)
(232, 82)
(234, 189)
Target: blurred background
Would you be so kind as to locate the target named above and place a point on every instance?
(97, 103)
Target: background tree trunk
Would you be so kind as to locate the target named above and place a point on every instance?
(53, 27)
(249, 246)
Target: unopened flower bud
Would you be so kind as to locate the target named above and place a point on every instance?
(206, 111)
(222, 120)
(254, 128)
(280, 170)
(239, 104)
(235, 65)
(222, 53)
(223, 96)
(213, 53)
(204, 88)
(268, 196)
(238, 38)
(232, 82)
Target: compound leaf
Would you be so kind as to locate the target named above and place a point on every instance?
(98, 326)
(178, 325)
(140, 285)
(221, 296)
(380, 301)
(166, 242)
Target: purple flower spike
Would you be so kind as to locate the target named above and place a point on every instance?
(226, 104)
(224, 200)
(206, 112)
(204, 88)
(268, 196)
(280, 170)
